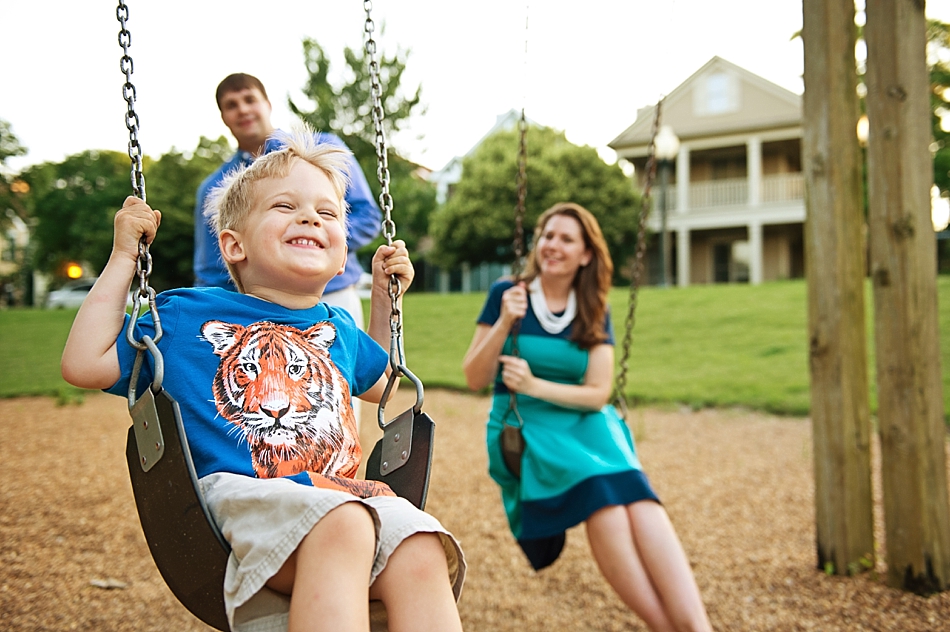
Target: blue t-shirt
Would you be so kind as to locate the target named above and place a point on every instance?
(363, 221)
(264, 391)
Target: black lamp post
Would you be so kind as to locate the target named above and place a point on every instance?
(667, 147)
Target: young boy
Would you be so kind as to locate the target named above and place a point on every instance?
(264, 379)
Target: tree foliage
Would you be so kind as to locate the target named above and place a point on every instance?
(75, 201)
(172, 182)
(477, 223)
(346, 110)
(9, 144)
(938, 38)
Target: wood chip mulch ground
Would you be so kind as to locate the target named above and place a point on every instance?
(738, 486)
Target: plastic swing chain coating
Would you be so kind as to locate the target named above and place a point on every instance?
(403, 457)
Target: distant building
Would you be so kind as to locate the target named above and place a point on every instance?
(466, 279)
(446, 177)
(736, 202)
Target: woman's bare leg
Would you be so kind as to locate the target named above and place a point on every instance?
(611, 538)
(667, 566)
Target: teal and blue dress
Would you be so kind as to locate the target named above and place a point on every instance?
(575, 462)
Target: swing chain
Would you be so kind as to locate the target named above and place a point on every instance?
(396, 352)
(518, 245)
(144, 261)
(128, 93)
(637, 269)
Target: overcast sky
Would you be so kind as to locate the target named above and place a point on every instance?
(588, 66)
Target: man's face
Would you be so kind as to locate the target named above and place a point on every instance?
(247, 114)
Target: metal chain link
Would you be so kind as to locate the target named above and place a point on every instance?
(620, 396)
(382, 174)
(144, 261)
(128, 93)
(518, 245)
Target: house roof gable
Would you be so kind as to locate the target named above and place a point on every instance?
(720, 98)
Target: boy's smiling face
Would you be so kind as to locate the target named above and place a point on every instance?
(293, 239)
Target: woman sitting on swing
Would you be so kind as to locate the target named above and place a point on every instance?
(579, 463)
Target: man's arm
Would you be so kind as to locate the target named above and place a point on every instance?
(365, 219)
(90, 358)
(207, 266)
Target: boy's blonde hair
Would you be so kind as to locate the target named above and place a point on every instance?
(229, 203)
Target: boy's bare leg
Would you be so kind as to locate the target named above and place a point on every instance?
(415, 587)
(327, 576)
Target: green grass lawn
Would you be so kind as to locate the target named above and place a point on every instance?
(712, 345)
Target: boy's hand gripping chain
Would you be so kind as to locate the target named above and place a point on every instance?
(403, 457)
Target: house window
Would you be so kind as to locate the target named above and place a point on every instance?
(717, 94)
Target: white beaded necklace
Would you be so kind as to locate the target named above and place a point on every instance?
(549, 322)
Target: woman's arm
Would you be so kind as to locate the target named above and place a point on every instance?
(481, 360)
(592, 394)
(90, 358)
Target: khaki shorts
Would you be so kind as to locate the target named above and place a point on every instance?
(266, 519)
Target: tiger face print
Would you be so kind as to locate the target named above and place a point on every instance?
(285, 397)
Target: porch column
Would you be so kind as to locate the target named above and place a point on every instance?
(755, 253)
(682, 179)
(466, 277)
(754, 165)
(682, 257)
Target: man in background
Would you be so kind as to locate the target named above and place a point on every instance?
(246, 111)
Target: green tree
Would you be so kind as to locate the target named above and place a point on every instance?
(476, 224)
(9, 144)
(346, 110)
(171, 184)
(13, 209)
(938, 38)
(74, 203)
(9, 147)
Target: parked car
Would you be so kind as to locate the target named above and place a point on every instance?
(72, 294)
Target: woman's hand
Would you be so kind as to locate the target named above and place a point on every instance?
(516, 374)
(514, 304)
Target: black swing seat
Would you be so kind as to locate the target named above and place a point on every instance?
(186, 544)
(403, 457)
(184, 540)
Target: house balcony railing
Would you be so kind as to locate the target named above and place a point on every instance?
(785, 187)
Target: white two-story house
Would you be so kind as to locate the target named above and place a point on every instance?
(735, 199)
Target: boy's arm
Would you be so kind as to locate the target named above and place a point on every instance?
(90, 358)
(387, 261)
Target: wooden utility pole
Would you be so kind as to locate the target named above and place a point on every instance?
(835, 265)
(903, 270)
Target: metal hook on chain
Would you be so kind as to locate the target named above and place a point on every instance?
(144, 262)
(396, 349)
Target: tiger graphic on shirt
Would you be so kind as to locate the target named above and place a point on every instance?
(287, 399)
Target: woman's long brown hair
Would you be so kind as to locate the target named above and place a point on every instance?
(591, 283)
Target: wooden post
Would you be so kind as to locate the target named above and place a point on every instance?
(903, 270)
(835, 265)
